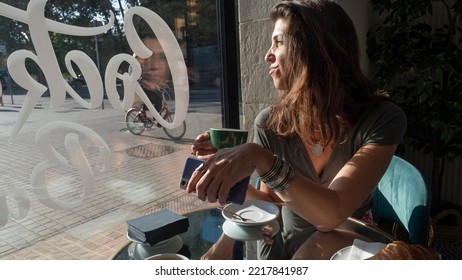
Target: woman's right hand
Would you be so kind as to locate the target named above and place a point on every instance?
(202, 147)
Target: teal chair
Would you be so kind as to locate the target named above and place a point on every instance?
(403, 197)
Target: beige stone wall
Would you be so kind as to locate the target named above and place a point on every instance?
(255, 30)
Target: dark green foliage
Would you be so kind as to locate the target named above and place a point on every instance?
(421, 66)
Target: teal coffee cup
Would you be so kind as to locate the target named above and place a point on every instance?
(221, 138)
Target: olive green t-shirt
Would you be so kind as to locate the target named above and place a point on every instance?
(384, 124)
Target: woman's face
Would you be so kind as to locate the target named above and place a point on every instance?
(155, 68)
(277, 54)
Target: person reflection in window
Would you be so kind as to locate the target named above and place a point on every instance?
(155, 75)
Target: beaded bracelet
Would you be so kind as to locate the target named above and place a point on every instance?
(279, 176)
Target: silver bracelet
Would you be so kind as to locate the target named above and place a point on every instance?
(279, 176)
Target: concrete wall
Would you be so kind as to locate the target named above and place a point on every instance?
(255, 31)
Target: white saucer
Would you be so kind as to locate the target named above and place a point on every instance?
(259, 211)
(141, 251)
(243, 233)
(342, 254)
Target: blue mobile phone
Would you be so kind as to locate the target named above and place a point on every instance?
(236, 194)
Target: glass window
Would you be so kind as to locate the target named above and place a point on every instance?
(95, 130)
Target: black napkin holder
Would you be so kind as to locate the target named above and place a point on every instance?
(157, 226)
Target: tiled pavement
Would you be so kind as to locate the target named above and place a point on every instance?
(97, 229)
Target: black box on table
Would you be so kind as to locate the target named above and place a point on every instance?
(157, 226)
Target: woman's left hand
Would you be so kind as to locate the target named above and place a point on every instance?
(201, 147)
(223, 170)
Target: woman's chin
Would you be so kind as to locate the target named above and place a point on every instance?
(279, 86)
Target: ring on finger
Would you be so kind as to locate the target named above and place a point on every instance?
(200, 168)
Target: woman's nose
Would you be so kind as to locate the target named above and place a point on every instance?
(269, 57)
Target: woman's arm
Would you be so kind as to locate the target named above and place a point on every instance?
(263, 193)
(325, 208)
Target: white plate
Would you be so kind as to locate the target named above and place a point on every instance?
(342, 254)
(141, 251)
(360, 250)
(259, 211)
(242, 233)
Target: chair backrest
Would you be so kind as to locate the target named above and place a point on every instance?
(402, 196)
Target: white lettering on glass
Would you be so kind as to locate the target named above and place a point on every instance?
(22, 200)
(77, 157)
(45, 58)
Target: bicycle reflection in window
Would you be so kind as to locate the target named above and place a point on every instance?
(155, 80)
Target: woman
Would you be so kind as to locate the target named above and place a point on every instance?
(325, 142)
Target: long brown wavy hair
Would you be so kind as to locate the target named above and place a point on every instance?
(326, 87)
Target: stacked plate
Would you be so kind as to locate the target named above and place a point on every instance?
(248, 221)
(140, 251)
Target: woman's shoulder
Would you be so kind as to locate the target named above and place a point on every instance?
(379, 110)
(390, 110)
(262, 116)
(385, 123)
